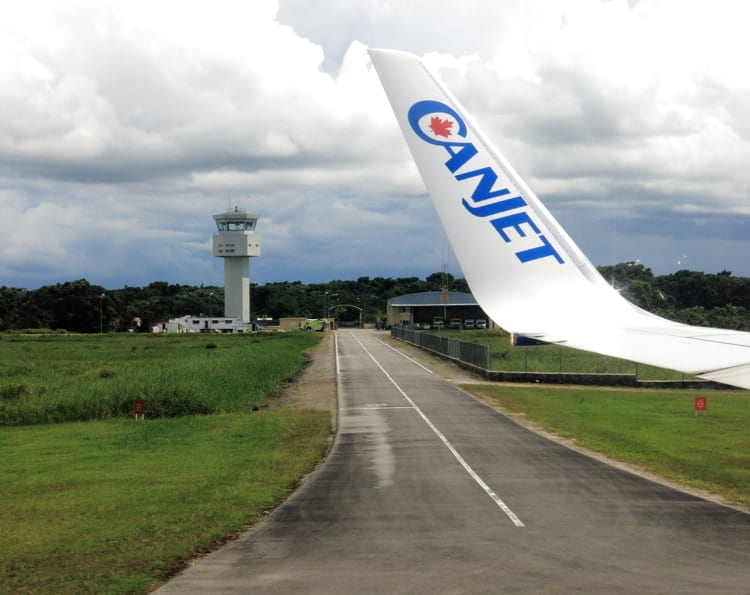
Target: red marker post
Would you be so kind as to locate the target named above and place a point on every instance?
(701, 404)
(139, 407)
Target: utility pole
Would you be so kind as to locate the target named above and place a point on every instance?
(101, 305)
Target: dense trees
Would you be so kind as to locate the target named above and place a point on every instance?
(692, 297)
(78, 306)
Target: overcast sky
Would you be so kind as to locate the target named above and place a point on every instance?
(125, 125)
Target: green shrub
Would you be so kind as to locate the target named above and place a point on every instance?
(10, 392)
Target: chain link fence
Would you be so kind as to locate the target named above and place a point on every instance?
(574, 368)
(475, 354)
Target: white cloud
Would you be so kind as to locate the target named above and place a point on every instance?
(130, 123)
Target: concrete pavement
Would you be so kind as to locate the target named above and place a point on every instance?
(428, 490)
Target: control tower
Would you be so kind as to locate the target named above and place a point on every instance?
(235, 242)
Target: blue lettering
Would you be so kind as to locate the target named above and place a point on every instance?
(483, 191)
(542, 251)
(515, 221)
(496, 207)
(424, 108)
(460, 154)
(458, 158)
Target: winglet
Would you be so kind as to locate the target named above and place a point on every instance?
(523, 268)
(508, 245)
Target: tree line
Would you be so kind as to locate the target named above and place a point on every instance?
(703, 299)
(82, 307)
(720, 300)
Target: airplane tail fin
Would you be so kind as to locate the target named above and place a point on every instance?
(524, 270)
(510, 248)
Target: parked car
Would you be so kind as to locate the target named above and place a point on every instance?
(469, 323)
(480, 323)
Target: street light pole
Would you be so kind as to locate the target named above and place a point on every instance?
(101, 300)
(326, 295)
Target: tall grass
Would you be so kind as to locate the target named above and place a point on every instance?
(74, 378)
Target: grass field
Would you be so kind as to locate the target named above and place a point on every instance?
(655, 429)
(114, 505)
(95, 502)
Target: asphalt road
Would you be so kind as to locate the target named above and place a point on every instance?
(428, 490)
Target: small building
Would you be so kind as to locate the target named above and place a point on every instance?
(202, 324)
(427, 308)
(290, 323)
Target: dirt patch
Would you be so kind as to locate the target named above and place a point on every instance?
(315, 388)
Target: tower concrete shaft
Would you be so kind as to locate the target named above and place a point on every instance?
(237, 288)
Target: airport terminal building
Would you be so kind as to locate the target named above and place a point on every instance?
(424, 309)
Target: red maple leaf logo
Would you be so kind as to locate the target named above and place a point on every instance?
(441, 127)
